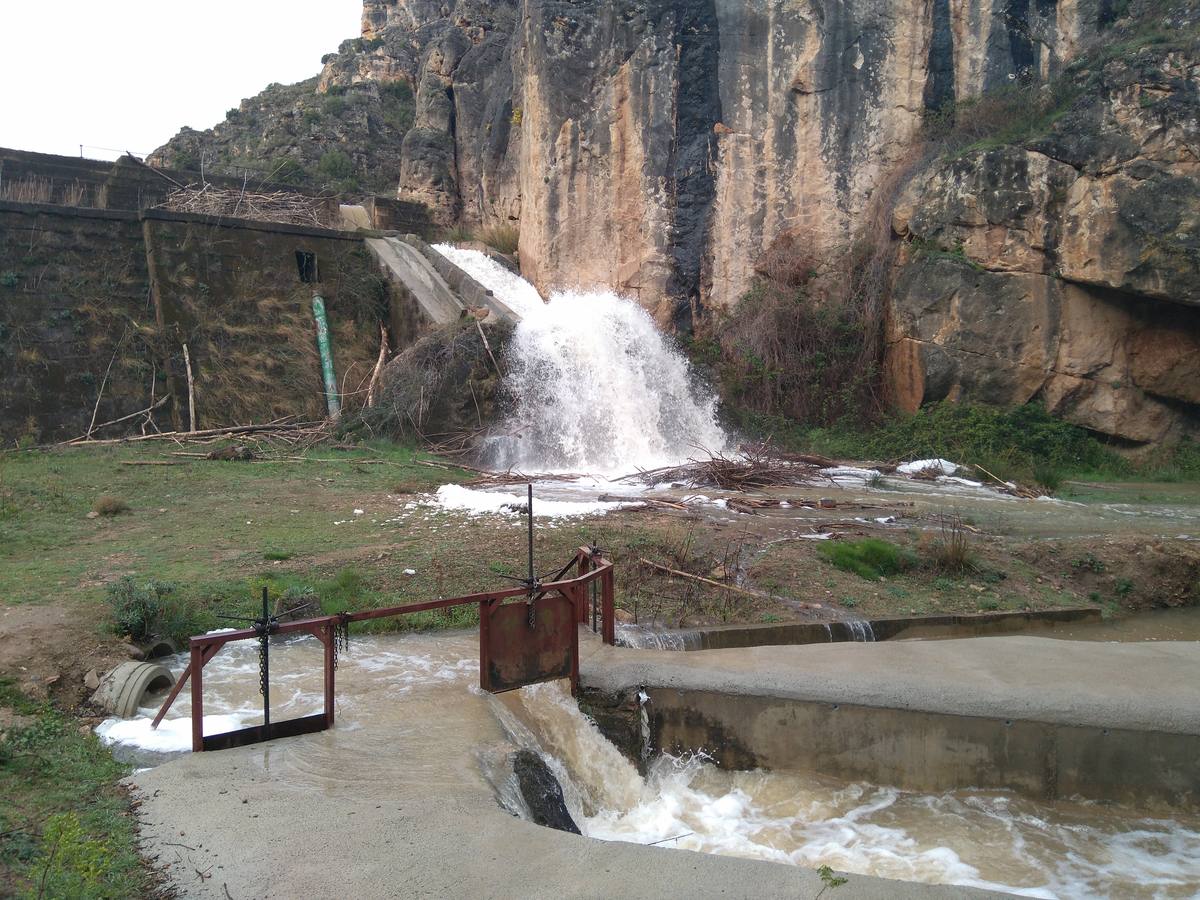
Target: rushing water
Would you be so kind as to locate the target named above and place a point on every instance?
(597, 387)
(400, 689)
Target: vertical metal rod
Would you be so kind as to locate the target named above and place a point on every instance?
(532, 576)
(266, 659)
(197, 698)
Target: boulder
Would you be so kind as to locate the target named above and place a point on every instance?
(541, 792)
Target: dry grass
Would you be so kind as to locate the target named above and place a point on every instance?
(35, 189)
(503, 238)
(949, 550)
(109, 505)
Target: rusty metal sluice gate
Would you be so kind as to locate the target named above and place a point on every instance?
(520, 643)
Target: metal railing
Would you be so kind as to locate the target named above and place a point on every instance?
(520, 643)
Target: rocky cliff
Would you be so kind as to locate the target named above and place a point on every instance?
(1066, 266)
(661, 146)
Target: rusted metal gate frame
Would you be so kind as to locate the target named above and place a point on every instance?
(591, 567)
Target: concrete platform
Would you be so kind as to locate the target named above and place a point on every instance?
(399, 807)
(1044, 717)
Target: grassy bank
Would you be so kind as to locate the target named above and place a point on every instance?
(1024, 443)
(66, 825)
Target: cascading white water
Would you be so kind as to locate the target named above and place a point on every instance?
(597, 387)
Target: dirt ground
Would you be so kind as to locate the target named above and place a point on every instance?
(357, 524)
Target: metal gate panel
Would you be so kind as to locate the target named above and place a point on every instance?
(518, 648)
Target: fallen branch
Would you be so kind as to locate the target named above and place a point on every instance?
(717, 584)
(488, 348)
(379, 363)
(140, 412)
(187, 361)
(209, 433)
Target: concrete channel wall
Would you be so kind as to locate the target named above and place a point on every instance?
(925, 751)
(883, 629)
(1045, 718)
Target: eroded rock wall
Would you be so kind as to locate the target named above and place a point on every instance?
(1065, 268)
(659, 146)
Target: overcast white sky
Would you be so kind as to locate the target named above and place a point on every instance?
(128, 74)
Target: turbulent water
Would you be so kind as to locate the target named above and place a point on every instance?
(597, 387)
(393, 688)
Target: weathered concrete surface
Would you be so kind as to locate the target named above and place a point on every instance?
(884, 628)
(1046, 718)
(409, 268)
(400, 808)
(1145, 686)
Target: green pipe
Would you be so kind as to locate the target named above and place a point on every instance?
(326, 349)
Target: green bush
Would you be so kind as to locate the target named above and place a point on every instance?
(137, 610)
(9, 279)
(336, 165)
(155, 609)
(870, 558)
(335, 105)
(1024, 443)
(286, 170)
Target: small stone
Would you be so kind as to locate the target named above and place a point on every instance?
(828, 503)
(91, 680)
(977, 587)
(93, 515)
(133, 652)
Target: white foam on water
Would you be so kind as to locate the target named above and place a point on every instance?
(477, 503)
(514, 291)
(597, 387)
(940, 466)
(172, 736)
(989, 840)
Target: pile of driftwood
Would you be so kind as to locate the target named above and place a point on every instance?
(276, 206)
(756, 467)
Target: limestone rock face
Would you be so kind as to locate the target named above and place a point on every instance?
(657, 147)
(1066, 268)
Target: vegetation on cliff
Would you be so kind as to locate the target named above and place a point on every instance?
(347, 138)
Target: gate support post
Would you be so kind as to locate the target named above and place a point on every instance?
(608, 607)
(585, 566)
(328, 640)
(197, 698)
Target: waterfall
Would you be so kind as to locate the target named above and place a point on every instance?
(596, 387)
(860, 630)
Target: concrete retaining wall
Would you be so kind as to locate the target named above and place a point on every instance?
(926, 751)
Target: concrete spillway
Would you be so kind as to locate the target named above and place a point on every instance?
(443, 291)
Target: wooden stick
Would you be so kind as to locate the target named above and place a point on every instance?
(140, 412)
(375, 376)
(209, 433)
(103, 382)
(187, 361)
(488, 348)
(716, 584)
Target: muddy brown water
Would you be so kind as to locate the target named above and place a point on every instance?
(394, 692)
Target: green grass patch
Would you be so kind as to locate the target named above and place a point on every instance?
(869, 558)
(67, 827)
(1024, 443)
(186, 522)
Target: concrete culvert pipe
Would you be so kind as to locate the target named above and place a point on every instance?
(121, 690)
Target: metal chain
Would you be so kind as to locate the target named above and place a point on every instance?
(341, 640)
(262, 663)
